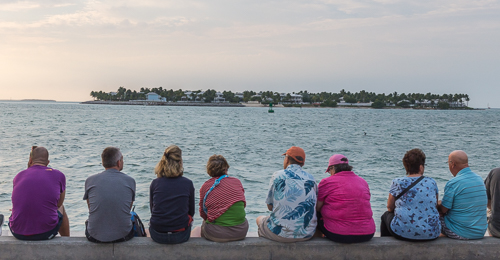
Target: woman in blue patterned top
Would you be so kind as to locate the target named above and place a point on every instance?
(413, 216)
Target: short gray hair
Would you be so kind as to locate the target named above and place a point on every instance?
(110, 156)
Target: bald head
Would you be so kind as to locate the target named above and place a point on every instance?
(457, 160)
(40, 156)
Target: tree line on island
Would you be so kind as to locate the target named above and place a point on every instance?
(323, 99)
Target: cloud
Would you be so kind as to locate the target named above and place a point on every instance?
(18, 6)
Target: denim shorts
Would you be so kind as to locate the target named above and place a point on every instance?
(43, 236)
(170, 237)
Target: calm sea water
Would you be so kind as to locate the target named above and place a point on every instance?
(251, 139)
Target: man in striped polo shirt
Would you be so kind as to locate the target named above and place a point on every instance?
(464, 201)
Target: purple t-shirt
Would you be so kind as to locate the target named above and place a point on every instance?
(346, 209)
(34, 200)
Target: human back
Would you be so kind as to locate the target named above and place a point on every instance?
(35, 197)
(411, 207)
(37, 200)
(109, 195)
(344, 210)
(171, 200)
(222, 204)
(465, 201)
(292, 198)
(492, 183)
(347, 208)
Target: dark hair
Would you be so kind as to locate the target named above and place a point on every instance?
(110, 156)
(291, 160)
(217, 165)
(412, 160)
(343, 167)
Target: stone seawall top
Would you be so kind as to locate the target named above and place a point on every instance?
(250, 248)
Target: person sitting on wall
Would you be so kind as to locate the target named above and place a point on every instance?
(464, 202)
(292, 199)
(344, 210)
(37, 200)
(222, 204)
(171, 200)
(411, 207)
(109, 196)
(492, 183)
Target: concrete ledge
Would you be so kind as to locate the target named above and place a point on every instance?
(250, 248)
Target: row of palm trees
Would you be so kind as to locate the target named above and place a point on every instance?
(123, 94)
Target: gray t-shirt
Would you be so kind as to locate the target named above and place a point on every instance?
(492, 183)
(110, 196)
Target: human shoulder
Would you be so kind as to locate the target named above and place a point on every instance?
(429, 180)
(184, 179)
(278, 173)
(495, 171)
(400, 180)
(233, 180)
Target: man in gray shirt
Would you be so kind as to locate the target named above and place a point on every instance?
(492, 184)
(110, 195)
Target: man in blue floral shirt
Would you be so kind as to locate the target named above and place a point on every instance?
(292, 199)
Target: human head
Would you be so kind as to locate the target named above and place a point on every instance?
(170, 165)
(294, 155)
(414, 161)
(338, 163)
(217, 165)
(112, 158)
(38, 156)
(457, 160)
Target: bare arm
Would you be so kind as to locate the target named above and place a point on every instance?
(391, 203)
(319, 205)
(489, 204)
(88, 203)
(270, 207)
(442, 209)
(61, 199)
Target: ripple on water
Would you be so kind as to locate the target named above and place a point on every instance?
(251, 140)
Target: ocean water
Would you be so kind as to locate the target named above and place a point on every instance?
(251, 139)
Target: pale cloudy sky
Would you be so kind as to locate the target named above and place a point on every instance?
(63, 49)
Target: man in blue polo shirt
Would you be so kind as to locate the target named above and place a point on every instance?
(464, 201)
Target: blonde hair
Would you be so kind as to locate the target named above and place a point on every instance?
(170, 164)
(217, 165)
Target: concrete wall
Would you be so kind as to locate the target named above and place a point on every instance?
(250, 248)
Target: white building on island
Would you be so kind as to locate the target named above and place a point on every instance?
(151, 96)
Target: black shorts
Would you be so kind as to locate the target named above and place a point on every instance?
(43, 236)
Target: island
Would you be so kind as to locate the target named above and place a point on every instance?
(362, 99)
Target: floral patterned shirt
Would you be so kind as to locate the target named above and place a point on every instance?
(293, 195)
(416, 216)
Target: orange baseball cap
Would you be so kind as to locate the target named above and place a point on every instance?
(296, 153)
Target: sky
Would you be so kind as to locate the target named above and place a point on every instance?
(64, 49)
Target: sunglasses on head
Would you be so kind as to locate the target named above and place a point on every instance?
(32, 148)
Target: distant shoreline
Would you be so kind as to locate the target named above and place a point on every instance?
(159, 103)
(202, 104)
(38, 100)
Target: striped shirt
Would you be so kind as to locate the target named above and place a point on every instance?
(465, 197)
(221, 198)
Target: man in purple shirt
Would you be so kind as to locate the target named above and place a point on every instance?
(37, 200)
